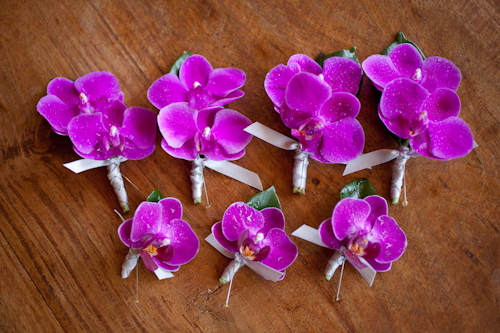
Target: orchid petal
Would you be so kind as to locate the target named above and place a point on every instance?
(294, 118)
(195, 69)
(340, 105)
(307, 92)
(171, 209)
(238, 217)
(450, 138)
(231, 97)
(305, 63)
(350, 216)
(64, 89)
(184, 241)
(390, 237)
(112, 112)
(97, 84)
(380, 69)
(229, 131)
(130, 151)
(99, 152)
(187, 151)
(139, 126)
(171, 268)
(282, 251)
(147, 221)
(438, 73)
(86, 131)
(402, 98)
(442, 104)
(276, 82)
(378, 266)
(177, 123)
(378, 207)
(166, 90)
(199, 98)
(165, 253)
(148, 261)
(57, 113)
(124, 231)
(342, 141)
(273, 219)
(327, 236)
(406, 59)
(342, 74)
(216, 152)
(223, 81)
(221, 239)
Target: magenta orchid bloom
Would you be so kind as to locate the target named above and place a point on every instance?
(199, 85)
(161, 237)
(215, 133)
(67, 99)
(112, 129)
(361, 228)
(429, 119)
(404, 61)
(256, 235)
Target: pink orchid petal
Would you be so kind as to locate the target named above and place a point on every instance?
(406, 59)
(97, 84)
(305, 64)
(177, 123)
(342, 141)
(124, 231)
(273, 219)
(349, 216)
(139, 126)
(148, 261)
(276, 82)
(57, 113)
(439, 73)
(402, 97)
(130, 151)
(378, 207)
(112, 112)
(390, 237)
(342, 74)
(380, 69)
(327, 236)
(340, 105)
(282, 251)
(166, 90)
(171, 268)
(147, 221)
(228, 130)
(223, 81)
(378, 266)
(171, 209)
(442, 104)
(231, 97)
(399, 126)
(293, 118)
(86, 131)
(239, 217)
(195, 69)
(217, 153)
(221, 239)
(99, 152)
(307, 92)
(187, 151)
(64, 89)
(165, 253)
(450, 138)
(183, 240)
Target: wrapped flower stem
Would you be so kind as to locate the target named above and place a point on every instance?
(300, 171)
(231, 269)
(116, 180)
(130, 262)
(334, 262)
(398, 173)
(197, 179)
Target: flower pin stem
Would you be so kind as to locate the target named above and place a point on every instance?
(116, 180)
(197, 179)
(398, 173)
(300, 171)
(130, 262)
(340, 282)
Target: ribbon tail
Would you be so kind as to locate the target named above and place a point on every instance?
(367, 161)
(309, 234)
(162, 273)
(85, 164)
(271, 136)
(211, 240)
(264, 270)
(236, 172)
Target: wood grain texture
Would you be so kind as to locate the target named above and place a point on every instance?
(61, 256)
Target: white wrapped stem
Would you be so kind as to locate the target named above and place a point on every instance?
(398, 172)
(334, 262)
(231, 269)
(116, 180)
(130, 262)
(300, 171)
(197, 179)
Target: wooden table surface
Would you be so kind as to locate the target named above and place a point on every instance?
(60, 257)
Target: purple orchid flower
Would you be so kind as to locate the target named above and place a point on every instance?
(404, 61)
(112, 129)
(429, 119)
(199, 85)
(67, 99)
(361, 228)
(215, 133)
(341, 74)
(256, 235)
(160, 236)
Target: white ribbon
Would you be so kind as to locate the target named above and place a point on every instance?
(367, 161)
(282, 141)
(131, 261)
(87, 164)
(312, 235)
(236, 172)
(256, 266)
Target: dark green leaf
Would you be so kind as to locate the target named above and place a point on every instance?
(178, 63)
(265, 199)
(400, 40)
(358, 189)
(155, 196)
(349, 54)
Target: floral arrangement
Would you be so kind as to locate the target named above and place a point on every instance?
(91, 112)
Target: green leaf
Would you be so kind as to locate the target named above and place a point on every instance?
(400, 40)
(265, 199)
(358, 189)
(155, 196)
(349, 54)
(178, 63)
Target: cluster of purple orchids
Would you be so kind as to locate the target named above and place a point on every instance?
(91, 112)
(419, 101)
(192, 119)
(319, 105)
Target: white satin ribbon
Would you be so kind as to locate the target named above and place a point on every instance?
(163, 274)
(87, 164)
(256, 266)
(311, 234)
(367, 161)
(271, 136)
(236, 172)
